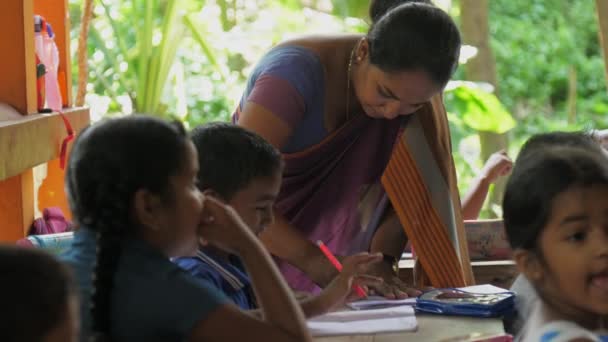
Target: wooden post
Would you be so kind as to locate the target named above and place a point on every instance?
(18, 64)
(17, 89)
(16, 206)
(602, 16)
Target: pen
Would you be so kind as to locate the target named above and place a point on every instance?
(360, 292)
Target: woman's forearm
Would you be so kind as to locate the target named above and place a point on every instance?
(284, 241)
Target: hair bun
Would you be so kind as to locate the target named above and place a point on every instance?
(378, 8)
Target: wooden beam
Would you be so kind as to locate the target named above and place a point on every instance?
(16, 206)
(602, 16)
(56, 13)
(35, 139)
(18, 63)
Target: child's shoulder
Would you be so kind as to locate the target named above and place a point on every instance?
(560, 331)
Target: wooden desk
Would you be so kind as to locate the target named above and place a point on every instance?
(430, 328)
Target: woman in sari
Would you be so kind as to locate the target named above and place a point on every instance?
(336, 106)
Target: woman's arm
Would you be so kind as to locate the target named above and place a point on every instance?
(390, 240)
(282, 239)
(283, 318)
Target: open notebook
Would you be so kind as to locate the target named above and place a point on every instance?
(357, 322)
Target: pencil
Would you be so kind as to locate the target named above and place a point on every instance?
(360, 292)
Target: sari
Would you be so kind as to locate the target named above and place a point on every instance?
(337, 186)
(326, 192)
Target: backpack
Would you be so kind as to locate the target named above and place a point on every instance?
(51, 222)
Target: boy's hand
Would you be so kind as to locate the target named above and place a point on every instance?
(340, 289)
(222, 227)
(499, 164)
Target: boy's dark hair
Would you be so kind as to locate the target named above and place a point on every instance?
(36, 289)
(535, 182)
(109, 162)
(378, 8)
(562, 139)
(413, 36)
(230, 157)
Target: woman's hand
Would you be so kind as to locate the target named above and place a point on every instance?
(392, 287)
(222, 227)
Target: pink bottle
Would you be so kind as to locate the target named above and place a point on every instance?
(47, 52)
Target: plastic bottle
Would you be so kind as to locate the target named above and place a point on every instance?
(47, 52)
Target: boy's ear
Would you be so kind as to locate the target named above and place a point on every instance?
(528, 264)
(146, 208)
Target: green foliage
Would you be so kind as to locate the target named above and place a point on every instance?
(536, 43)
(479, 109)
(191, 58)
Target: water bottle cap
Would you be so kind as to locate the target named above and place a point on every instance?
(38, 23)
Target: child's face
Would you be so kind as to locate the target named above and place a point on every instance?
(574, 245)
(181, 218)
(255, 202)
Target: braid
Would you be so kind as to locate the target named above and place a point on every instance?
(108, 164)
(111, 223)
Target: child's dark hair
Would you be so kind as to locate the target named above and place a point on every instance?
(230, 157)
(109, 162)
(36, 289)
(413, 36)
(558, 139)
(535, 182)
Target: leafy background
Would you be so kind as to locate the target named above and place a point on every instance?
(189, 59)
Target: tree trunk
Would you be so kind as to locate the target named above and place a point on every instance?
(83, 70)
(602, 15)
(482, 68)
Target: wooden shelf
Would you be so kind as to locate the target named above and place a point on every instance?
(35, 139)
(500, 273)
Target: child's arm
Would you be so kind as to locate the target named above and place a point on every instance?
(499, 164)
(340, 291)
(283, 318)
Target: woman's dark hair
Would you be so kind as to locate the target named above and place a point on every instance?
(537, 179)
(414, 35)
(378, 8)
(36, 289)
(230, 157)
(109, 162)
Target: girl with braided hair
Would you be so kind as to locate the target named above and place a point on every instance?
(132, 187)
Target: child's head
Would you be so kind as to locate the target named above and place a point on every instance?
(241, 168)
(556, 217)
(133, 176)
(39, 300)
(555, 139)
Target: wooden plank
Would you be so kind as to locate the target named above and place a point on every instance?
(499, 273)
(602, 15)
(16, 206)
(56, 13)
(35, 139)
(17, 62)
